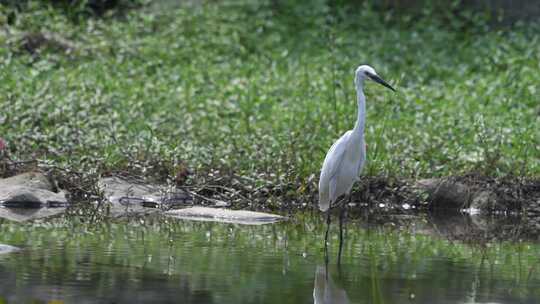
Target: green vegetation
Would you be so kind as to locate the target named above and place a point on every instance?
(262, 88)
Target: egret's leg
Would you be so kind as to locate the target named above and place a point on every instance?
(327, 229)
(341, 220)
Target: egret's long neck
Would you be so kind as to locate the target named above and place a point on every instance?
(360, 121)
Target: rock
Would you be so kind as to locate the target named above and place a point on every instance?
(445, 194)
(28, 214)
(136, 197)
(27, 197)
(485, 201)
(35, 180)
(225, 216)
(30, 190)
(7, 249)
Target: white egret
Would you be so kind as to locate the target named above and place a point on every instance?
(345, 159)
(325, 291)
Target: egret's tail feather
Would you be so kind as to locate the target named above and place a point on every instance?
(324, 201)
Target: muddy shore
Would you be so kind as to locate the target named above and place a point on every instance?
(471, 193)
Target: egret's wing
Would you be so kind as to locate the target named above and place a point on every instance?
(334, 157)
(328, 180)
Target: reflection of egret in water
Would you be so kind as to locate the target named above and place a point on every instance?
(325, 290)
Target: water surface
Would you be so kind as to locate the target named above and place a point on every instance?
(163, 260)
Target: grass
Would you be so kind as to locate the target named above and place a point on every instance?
(263, 88)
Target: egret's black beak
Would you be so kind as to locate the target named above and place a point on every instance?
(379, 80)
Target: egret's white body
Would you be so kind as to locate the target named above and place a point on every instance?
(346, 158)
(325, 291)
(341, 168)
